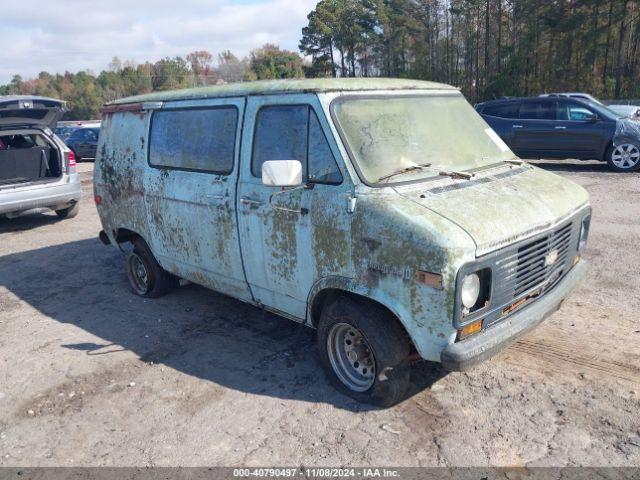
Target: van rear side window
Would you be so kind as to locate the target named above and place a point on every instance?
(194, 139)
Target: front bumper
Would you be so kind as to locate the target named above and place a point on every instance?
(54, 195)
(466, 353)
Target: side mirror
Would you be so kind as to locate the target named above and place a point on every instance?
(591, 118)
(282, 173)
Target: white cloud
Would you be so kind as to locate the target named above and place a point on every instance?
(73, 35)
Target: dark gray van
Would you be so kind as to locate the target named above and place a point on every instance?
(562, 127)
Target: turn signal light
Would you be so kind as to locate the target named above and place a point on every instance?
(470, 329)
(97, 199)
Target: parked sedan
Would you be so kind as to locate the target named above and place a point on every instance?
(564, 127)
(84, 142)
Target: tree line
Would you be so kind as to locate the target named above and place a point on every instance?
(488, 48)
(86, 92)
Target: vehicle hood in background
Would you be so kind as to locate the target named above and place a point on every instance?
(626, 129)
(625, 110)
(30, 110)
(501, 208)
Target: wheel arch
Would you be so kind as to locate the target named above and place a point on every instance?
(605, 153)
(122, 235)
(330, 288)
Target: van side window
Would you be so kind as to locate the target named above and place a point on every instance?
(322, 164)
(281, 134)
(293, 132)
(194, 139)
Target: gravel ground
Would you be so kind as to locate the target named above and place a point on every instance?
(92, 375)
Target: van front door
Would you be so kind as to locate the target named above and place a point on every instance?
(190, 191)
(280, 229)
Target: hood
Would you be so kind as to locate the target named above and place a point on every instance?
(30, 110)
(625, 110)
(503, 207)
(626, 129)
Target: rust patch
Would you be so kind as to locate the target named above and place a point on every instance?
(515, 305)
(433, 280)
(129, 107)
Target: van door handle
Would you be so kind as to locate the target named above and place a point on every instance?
(250, 201)
(561, 128)
(216, 197)
(517, 126)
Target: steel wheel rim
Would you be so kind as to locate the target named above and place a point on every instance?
(139, 275)
(351, 357)
(625, 156)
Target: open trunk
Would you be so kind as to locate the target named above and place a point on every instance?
(28, 158)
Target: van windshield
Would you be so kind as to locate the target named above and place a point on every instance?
(408, 138)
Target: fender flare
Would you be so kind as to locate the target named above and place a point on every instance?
(338, 283)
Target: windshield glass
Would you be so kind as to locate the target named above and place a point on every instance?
(415, 137)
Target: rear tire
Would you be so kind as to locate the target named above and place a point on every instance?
(146, 277)
(69, 212)
(624, 157)
(364, 351)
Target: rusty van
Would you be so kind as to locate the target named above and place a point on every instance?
(386, 214)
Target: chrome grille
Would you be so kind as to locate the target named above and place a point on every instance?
(524, 271)
(536, 264)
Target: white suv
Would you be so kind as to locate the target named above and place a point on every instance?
(37, 170)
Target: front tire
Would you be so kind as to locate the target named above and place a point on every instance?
(624, 157)
(364, 351)
(146, 277)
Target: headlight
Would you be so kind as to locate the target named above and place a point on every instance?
(470, 290)
(584, 232)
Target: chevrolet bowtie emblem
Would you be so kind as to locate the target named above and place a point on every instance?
(551, 258)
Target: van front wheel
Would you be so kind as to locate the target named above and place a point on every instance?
(146, 277)
(364, 351)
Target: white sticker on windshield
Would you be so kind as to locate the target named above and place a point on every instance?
(496, 139)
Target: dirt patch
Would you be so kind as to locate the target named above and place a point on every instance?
(71, 396)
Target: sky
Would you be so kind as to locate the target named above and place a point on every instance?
(74, 35)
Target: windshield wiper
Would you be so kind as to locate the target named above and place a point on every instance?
(404, 170)
(456, 174)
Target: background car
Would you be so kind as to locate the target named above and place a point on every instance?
(37, 170)
(564, 127)
(84, 141)
(630, 111)
(65, 131)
